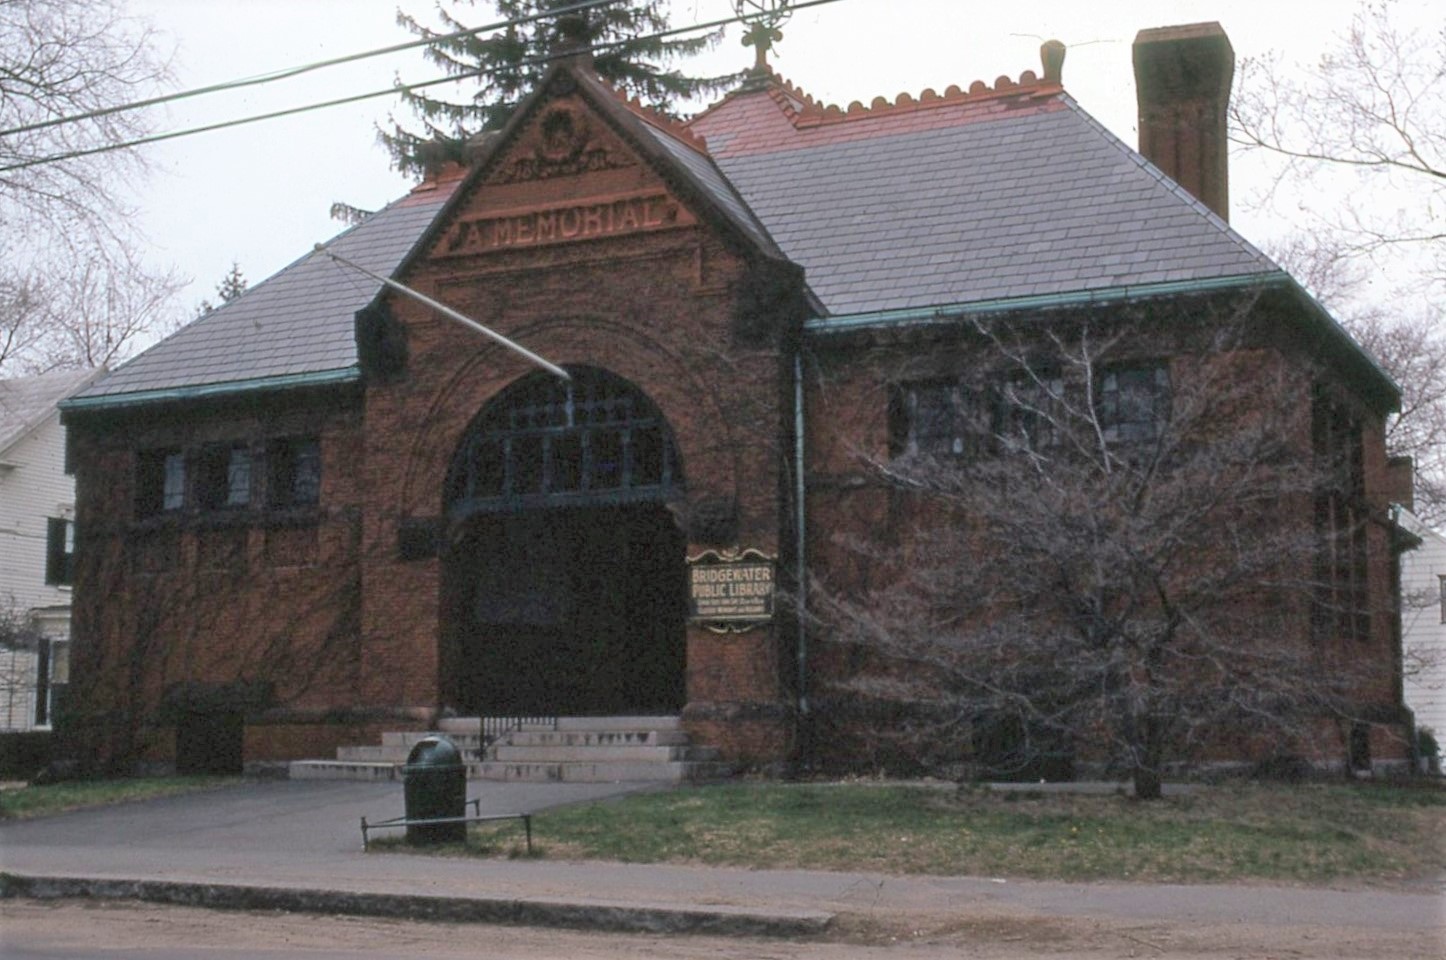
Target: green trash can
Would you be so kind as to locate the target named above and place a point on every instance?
(434, 785)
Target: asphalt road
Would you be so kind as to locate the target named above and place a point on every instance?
(305, 836)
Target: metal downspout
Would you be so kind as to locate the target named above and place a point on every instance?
(800, 602)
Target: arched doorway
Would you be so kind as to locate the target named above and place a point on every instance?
(564, 582)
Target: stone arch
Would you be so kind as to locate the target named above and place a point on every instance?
(563, 588)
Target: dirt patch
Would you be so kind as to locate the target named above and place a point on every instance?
(119, 928)
(1002, 937)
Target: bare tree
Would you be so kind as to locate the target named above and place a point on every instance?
(70, 278)
(1097, 547)
(20, 644)
(1407, 336)
(1375, 105)
(1373, 110)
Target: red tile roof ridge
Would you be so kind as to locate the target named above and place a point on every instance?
(440, 182)
(1029, 86)
(802, 110)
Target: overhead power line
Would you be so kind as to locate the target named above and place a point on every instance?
(388, 91)
(290, 72)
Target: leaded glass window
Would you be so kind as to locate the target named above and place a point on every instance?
(595, 437)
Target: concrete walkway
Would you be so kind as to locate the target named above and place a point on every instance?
(297, 845)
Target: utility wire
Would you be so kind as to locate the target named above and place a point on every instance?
(289, 72)
(394, 89)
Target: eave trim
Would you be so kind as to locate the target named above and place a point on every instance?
(322, 378)
(952, 313)
(923, 316)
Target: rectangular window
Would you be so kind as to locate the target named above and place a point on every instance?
(238, 477)
(295, 474)
(59, 551)
(941, 418)
(173, 487)
(223, 478)
(1134, 402)
(1341, 604)
(1027, 411)
(160, 482)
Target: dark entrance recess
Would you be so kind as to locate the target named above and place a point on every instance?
(210, 743)
(1007, 749)
(565, 587)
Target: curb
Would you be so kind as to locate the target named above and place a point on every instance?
(718, 920)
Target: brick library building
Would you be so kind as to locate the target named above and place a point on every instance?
(777, 360)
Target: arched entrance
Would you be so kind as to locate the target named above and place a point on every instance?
(564, 582)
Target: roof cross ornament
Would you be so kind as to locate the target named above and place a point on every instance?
(763, 18)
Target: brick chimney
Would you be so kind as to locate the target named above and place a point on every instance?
(1182, 76)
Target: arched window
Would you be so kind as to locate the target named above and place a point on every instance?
(543, 442)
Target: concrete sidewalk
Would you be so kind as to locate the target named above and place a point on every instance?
(297, 845)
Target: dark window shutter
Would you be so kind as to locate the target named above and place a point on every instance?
(42, 680)
(57, 558)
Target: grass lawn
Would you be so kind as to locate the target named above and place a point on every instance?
(1308, 834)
(39, 801)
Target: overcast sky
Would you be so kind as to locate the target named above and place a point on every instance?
(260, 195)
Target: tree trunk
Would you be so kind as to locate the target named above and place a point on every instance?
(1147, 783)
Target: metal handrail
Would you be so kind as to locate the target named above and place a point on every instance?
(478, 817)
(495, 728)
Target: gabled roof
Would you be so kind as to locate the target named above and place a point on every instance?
(1011, 191)
(673, 152)
(1003, 195)
(295, 327)
(27, 402)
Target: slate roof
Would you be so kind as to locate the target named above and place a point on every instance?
(298, 322)
(1041, 200)
(27, 402)
(707, 177)
(975, 196)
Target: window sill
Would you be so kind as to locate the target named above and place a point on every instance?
(171, 520)
(224, 517)
(308, 516)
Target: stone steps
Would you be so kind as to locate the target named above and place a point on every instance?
(687, 771)
(562, 753)
(407, 739)
(342, 770)
(598, 738)
(568, 749)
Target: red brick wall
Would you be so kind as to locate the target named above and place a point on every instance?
(656, 307)
(257, 607)
(269, 742)
(847, 407)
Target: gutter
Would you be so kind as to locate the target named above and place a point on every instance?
(921, 316)
(951, 313)
(203, 391)
(800, 602)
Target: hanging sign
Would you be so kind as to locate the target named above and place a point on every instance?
(731, 588)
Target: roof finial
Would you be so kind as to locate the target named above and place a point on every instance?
(763, 18)
(573, 38)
